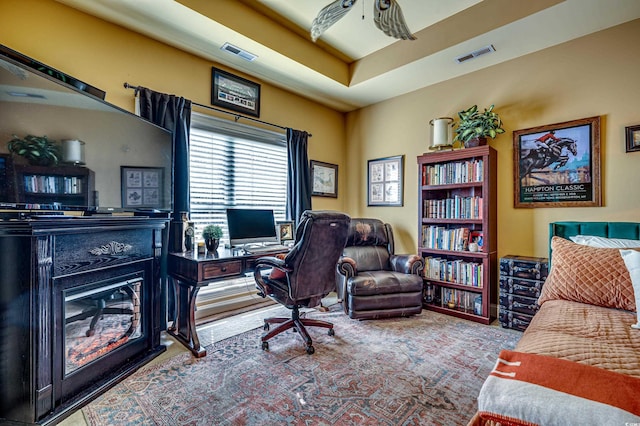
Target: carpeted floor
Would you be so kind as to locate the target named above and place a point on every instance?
(427, 369)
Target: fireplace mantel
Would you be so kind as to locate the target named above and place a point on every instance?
(52, 270)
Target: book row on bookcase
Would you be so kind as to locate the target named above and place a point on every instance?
(453, 173)
(457, 207)
(42, 184)
(456, 299)
(456, 271)
(454, 239)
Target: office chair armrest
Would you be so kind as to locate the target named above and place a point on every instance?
(407, 263)
(267, 263)
(347, 267)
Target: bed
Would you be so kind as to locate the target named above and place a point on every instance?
(578, 362)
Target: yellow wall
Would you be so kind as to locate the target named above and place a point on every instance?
(106, 56)
(596, 75)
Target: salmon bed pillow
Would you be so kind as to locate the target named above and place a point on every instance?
(596, 276)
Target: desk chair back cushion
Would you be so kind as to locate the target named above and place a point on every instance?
(309, 273)
(320, 239)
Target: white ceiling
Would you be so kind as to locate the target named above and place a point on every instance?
(376, 67)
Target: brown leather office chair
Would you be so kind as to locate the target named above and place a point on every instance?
(306, 274)
(372, 281)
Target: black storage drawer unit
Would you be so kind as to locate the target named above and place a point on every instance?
(521, 281)
(529, 268)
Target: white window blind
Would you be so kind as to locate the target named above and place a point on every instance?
(234, 165)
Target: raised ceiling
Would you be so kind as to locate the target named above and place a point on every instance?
(353, 64)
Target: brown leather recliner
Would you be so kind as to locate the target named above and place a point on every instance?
(372, 281)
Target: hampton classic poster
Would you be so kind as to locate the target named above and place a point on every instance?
(558, 165)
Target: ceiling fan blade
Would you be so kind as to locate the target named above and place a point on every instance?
(389, 19)
(329, 15)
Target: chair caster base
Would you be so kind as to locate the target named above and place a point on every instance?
(265, 346)
(310, 350)
(331, 332)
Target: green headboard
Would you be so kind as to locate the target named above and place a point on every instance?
(626, 230)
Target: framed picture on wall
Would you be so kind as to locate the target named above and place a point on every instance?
(142, 187)
(385, 181)
(632, 134)
(558, 165)
(234, 93)
(324, 178)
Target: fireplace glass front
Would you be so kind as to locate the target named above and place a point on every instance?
(99, 320)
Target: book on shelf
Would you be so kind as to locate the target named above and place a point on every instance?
(45, 184)
(477, 237)
(456, 271)
(456, 207)
(443, 238)
(453, 172)
(461, 300)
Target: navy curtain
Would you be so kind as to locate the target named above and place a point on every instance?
(174, 114)
(298, 176)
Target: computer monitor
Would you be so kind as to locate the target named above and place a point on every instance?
(249, 226)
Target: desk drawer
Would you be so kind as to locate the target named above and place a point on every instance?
(221, 269)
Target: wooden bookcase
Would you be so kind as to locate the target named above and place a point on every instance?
(457, 202)
(54, 186)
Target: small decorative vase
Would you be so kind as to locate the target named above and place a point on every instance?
(475, 142)
(473, 247)
(212, 244)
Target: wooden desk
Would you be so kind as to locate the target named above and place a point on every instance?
(189, 271)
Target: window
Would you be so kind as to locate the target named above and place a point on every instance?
(233, 165)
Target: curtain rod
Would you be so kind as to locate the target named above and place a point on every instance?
(235, 115)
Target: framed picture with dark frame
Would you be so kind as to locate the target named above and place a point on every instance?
(324, 178)
(234, 93)
(142, 187)
(385, 181)
(633, 138)
(558, 165)
(285, 231)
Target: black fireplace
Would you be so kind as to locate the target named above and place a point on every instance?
(81, 304)
(99, 319)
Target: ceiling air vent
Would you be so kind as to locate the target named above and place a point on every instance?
(238, 52)
(475, 53)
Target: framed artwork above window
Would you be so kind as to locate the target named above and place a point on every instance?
(234, 93)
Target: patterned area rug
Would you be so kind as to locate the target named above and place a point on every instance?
(427, 369)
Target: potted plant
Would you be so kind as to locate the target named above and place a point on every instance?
(212, 235)
(475, 127)
(37, 150)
